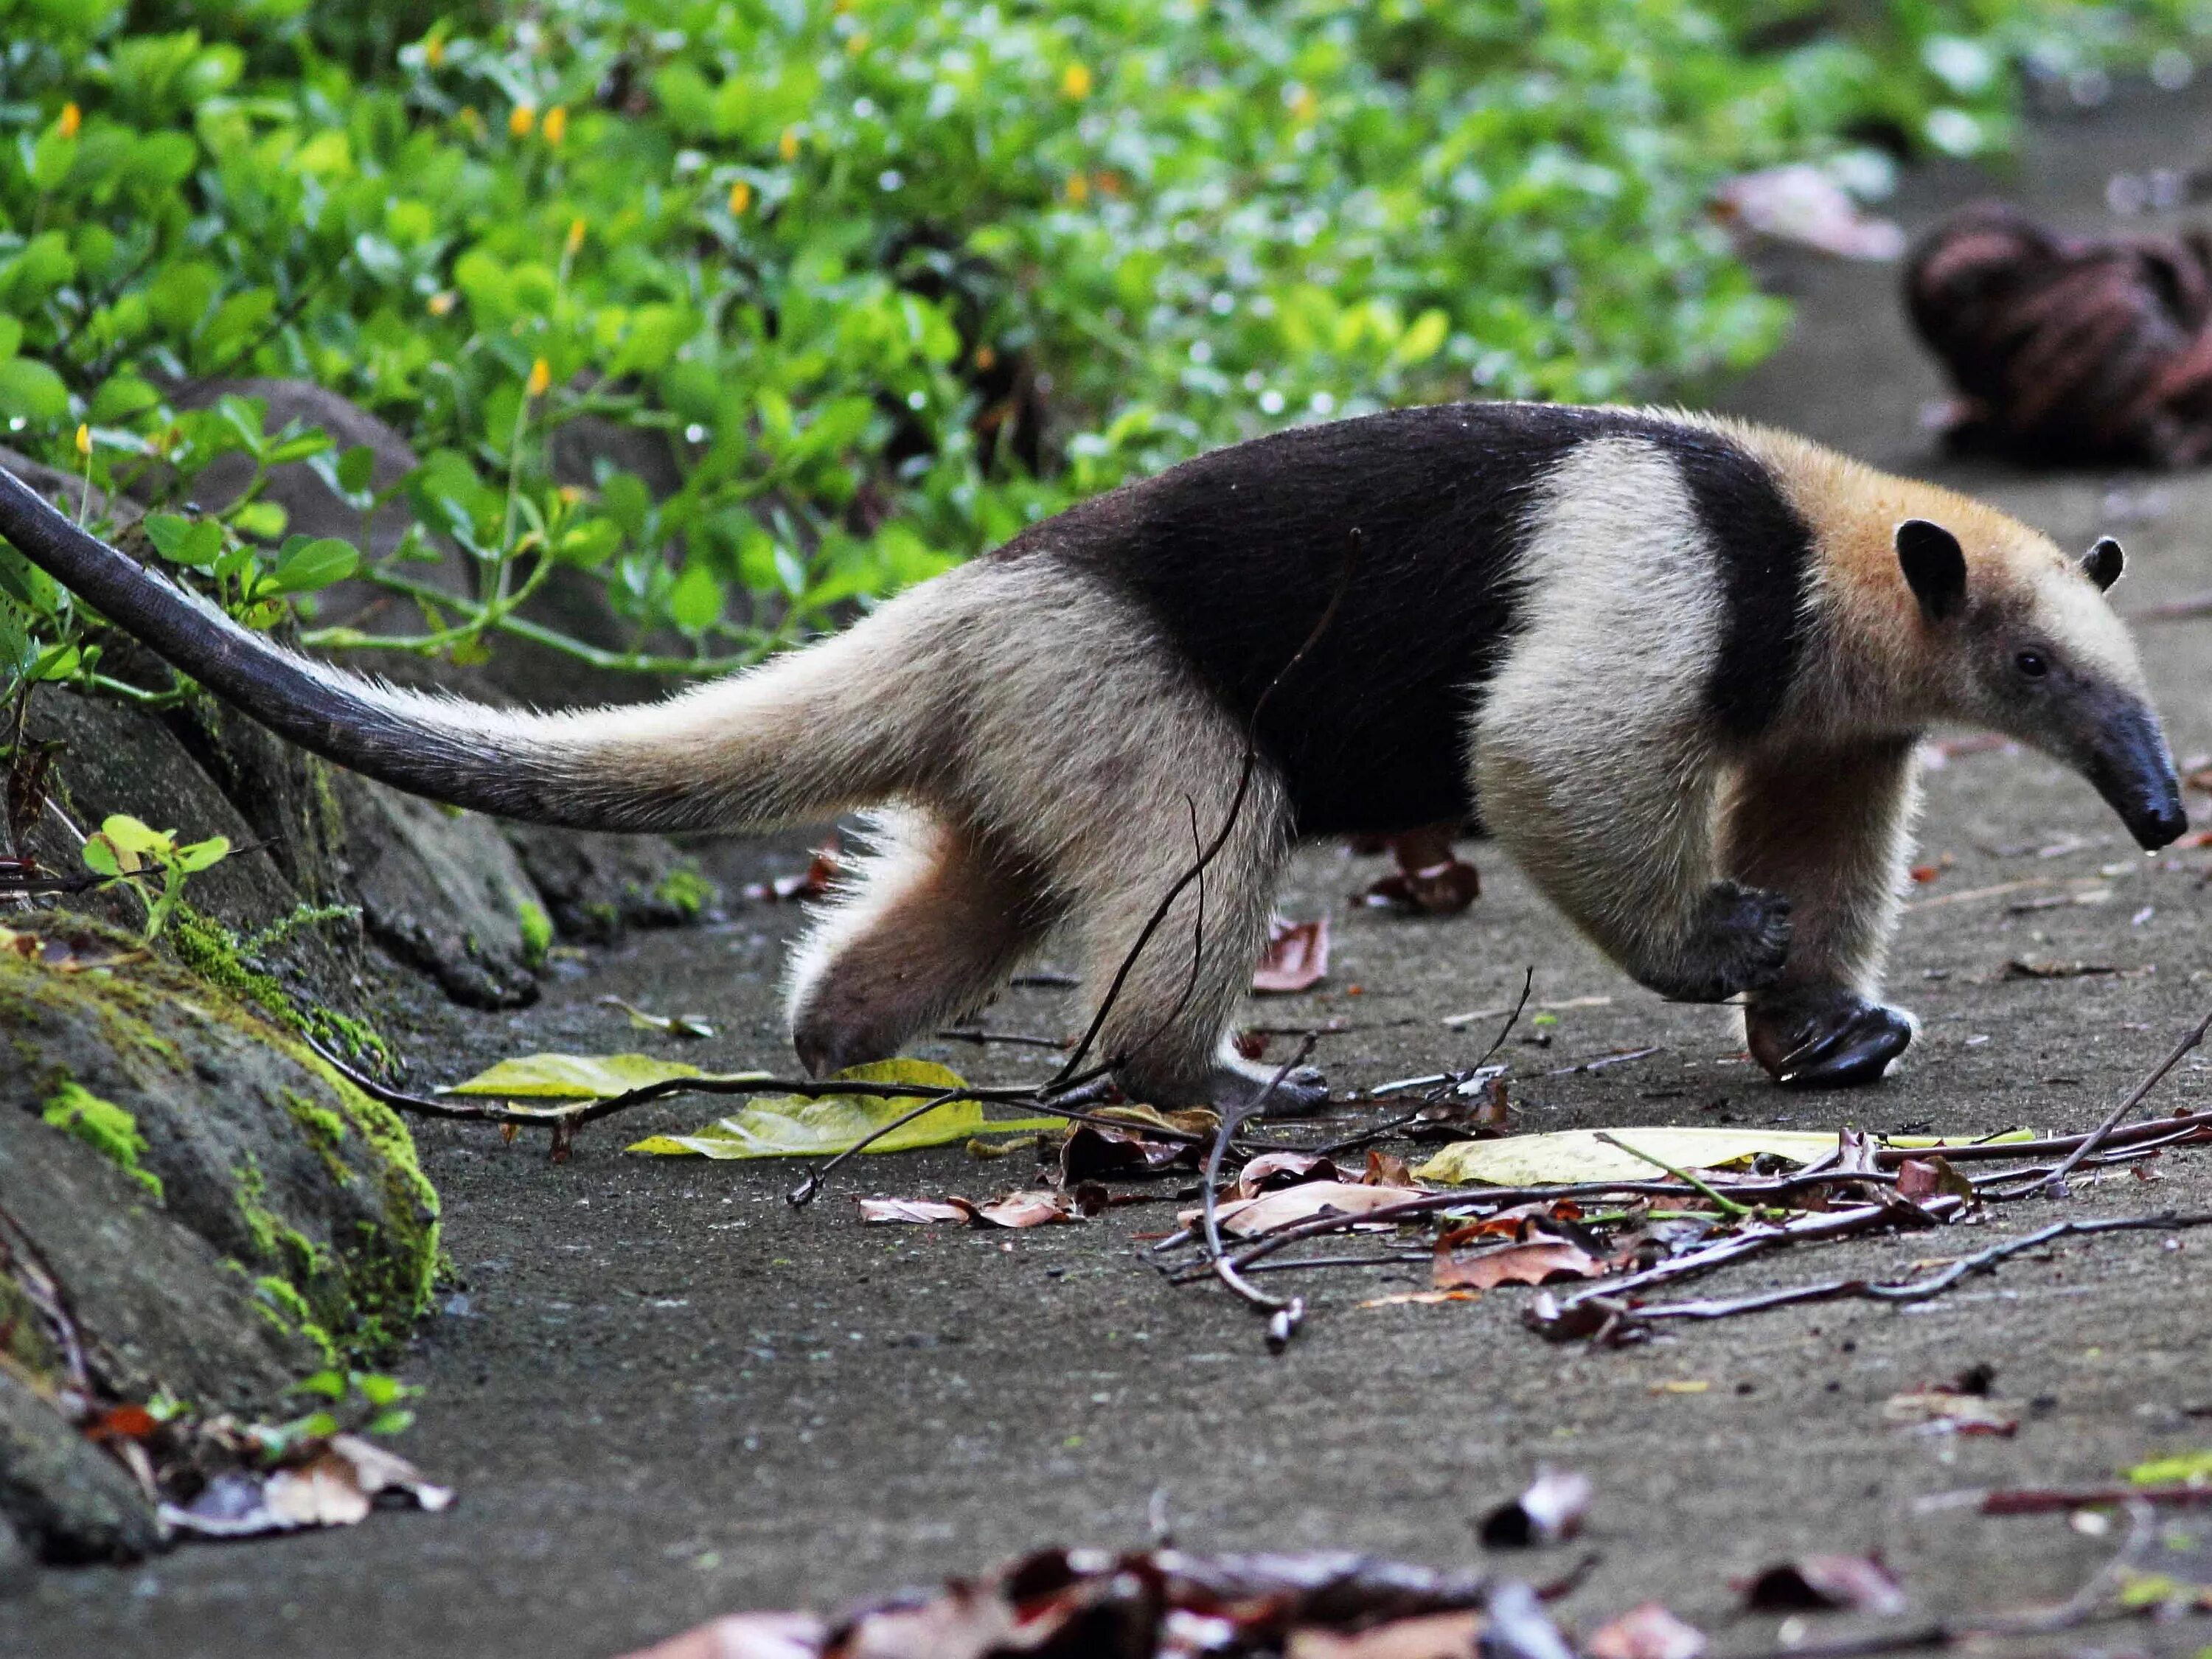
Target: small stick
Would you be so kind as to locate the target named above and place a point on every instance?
(1727, 1206)
(2039, 1500)
(1455, 1079)
(1604, 1060)
(1918, 1290)
(2055, 1183)
(1016, 1039)
(1284, 1314)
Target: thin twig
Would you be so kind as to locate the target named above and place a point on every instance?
(2055, 1183)
(1284, 1313)
(1919, 1290)
(1726, 1205)
(1351, 1143)
(1014, 1039)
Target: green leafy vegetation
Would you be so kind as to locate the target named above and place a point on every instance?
(874, 284)
(123, 847)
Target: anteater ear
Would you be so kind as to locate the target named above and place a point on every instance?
(1935, 567)
(2104, 563)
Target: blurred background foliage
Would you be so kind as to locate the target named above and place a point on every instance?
(889, 280)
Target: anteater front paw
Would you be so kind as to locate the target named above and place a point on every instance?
(1738, 943)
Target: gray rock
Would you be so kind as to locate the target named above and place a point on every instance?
(596, 887)
(233, 1168)
(64, 1498)
(442, 891)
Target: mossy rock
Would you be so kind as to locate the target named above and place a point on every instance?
(282, 1170)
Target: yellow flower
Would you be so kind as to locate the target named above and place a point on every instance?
(787, 146)
(1079, 188)
(1075, 81)
(522, 119)
(72, 119)
(575, 225)
(858, 44)
(570, 495)
(541, 376)
(84, 440)
(557, 125)
(441, 303)
(741, 197)
(433, 51)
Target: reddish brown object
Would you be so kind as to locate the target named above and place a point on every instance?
(1430, 876)
(2070, 349)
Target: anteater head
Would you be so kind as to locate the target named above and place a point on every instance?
(2028, 645)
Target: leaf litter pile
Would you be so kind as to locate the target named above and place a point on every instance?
(1168, 1603)
(1603, 1227)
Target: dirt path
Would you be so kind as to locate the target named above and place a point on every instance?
(663, 1394)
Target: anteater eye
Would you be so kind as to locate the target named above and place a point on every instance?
(2032, 664)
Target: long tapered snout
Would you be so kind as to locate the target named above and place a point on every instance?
(2128, 762)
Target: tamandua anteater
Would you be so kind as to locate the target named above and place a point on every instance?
(1678, 664)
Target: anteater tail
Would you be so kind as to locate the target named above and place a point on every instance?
(800, 739)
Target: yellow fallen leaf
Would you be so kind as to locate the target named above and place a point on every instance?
(802, 1125)
(1569, 1155)
(574, 1077)
(1685, 1386)
(1420, 1298)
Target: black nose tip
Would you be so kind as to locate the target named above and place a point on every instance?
(2158, 823)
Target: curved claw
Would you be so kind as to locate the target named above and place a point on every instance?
(1837, 1044)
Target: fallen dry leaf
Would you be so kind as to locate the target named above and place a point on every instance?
(1014, 1212)
(1273, 1171)
(919, 1211)
(1803, 203)
(1296, 957)
(1420, 1298)
(745, 1636)
(1539, 1261)
(2026, 968)
(1435, 890)
(1945, 1410)
(687, 1025)
(1434, 1635)
(1920, 1178)
(1245, 1217)
(1549, 1513)
(1649, 1631)
(337, 1486)
(1386, 1170)
(1858, 1584)
(821, 874)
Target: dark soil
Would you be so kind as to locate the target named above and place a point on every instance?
(664, 1394)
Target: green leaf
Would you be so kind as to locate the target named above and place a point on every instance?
(100, 858)
(264, 521)
(2190, 1468)
(129, 836)
(12, 336)
(332, 1385)
(29, 391)
(802, 1126)
(356, 469)
(694, 601)
(200, 855)
(572, 1077)
(312, 565)
(194, 542)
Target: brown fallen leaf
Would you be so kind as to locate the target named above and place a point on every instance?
(821, 873)
(923, 1211)
(1942, 1409)
(1296, 957)
(2026, 968)
(1649, 1631)
(1539, 1261)
(1386, 1170)
(1272, 1171)
(1433, 1635)
(1244, 1216)
(745, 1636)
(1550, 1512)
(1921, 1178)
(1858, 1584)
(1435, 890)
(336, 1486)
(1014, 1211)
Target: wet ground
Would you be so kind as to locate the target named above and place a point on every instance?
(665, 1394)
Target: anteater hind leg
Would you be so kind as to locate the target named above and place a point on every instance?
(1828, 828)
(1166, 1024)
(935, 921)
